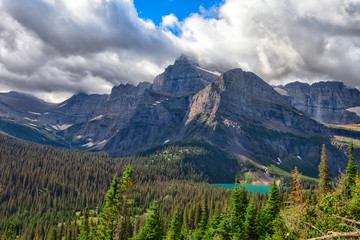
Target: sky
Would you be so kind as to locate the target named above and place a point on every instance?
(55, 48)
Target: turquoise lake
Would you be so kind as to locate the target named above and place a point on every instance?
(249, 187)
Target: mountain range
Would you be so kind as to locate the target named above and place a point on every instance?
(235, 110)
(327, 102)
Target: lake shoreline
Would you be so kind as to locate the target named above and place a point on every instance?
(260, 188)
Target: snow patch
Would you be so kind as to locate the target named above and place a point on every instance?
(281, 91)
(102, 142)
(97, 118)
(29, 119)
(278, 161)
(354, 110)
(166, 141)
(212, 72)
(89, 144)
(31, 124)
(61, 127)
(46, 113)
(35, 113)
(78, 137)
(158, 102)
(62, 105)
(299, 157)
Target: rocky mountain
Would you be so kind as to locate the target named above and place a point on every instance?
(19, 105)
(241, 112)
(156, 121)
(184, 77)
(90, 121)
(236, 111)
(327, 102)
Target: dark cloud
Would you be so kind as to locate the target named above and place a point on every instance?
(94, 28)
(54, 48)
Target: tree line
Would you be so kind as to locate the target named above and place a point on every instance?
(332, 210)
(51, 193)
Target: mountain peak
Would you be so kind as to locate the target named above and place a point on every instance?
(247, 85)
(182, 57)
(183, 77)
(237, 91)
(185, 60)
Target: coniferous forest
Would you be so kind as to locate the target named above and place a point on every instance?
(53, 193)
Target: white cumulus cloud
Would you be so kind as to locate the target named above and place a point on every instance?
(54, 48)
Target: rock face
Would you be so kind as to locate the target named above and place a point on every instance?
(327, 102)
(183, 77)
(236, 111)
(157, 119)
(239, 111)
(97, 118)
(249, 98)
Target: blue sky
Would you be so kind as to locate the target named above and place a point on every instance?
(155, 9)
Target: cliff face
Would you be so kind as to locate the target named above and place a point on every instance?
(327, 102)
(240, 112)
(240, 95)
(157, 120)
(100, 121)
(236, 111)
(183, 77)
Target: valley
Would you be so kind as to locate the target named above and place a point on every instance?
(190, 129)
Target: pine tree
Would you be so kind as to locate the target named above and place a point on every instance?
(53, 234)
(185, 219)
(225, 226)
(127, 190)
(238, 205)
(356, 198)
(198, 213)
(204, 214)
(351, 171)
(296, 193)
(273, 203)
(238, 202)
(324, 173)
(268, 215)
(203, 220)
(213, 225)
(62, 229)
(232, 223)
(250, 222)
(110, 214)
(174, 232)
(153, 229)
(85, 230)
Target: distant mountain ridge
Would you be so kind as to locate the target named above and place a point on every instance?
(327, 102)
(236, 110)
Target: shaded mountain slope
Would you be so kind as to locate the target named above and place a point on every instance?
(240, 112)
(327, 102)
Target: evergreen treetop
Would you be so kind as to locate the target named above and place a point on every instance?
(112, 209)
(274, 200)
(174, 232)
(153, 229)
(85, 230)
(324, 173)
(351, 170)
